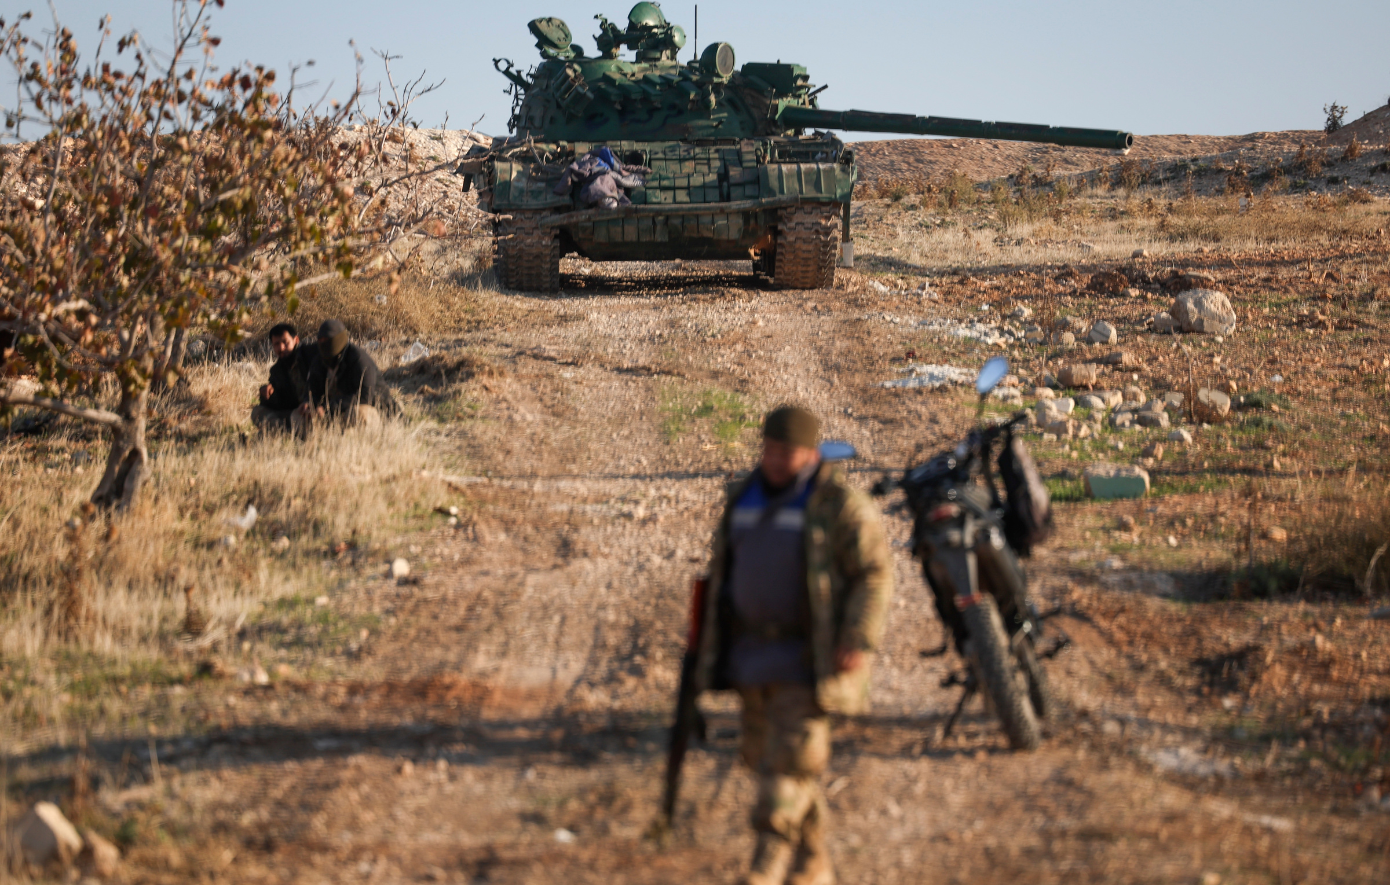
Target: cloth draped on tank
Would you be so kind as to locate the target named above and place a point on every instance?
(602, 180)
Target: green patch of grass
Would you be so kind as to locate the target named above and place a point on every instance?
(451, 411)
(1185, 485)
(1060, 489)
(1263, 399)
(96, 677)
(726, 413)
(1264, 423)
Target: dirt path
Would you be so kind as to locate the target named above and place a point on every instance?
(506, 721)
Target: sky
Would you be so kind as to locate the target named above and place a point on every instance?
(1215, 67)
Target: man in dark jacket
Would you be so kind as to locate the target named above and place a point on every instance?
(346, 384)
(288, 387)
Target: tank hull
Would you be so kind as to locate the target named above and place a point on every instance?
(775, 201)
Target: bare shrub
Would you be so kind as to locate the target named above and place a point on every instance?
(957, 191)
(160, 201)
(1308, 162)
(1353, 149)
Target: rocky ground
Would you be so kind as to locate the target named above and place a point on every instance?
(499, 715)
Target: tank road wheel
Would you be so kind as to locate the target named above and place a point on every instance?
(806, 250)
(528, 255)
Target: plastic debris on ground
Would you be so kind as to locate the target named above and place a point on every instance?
(931, 377)
(415, 353)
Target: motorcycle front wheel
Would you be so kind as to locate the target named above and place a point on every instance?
(1000, 675)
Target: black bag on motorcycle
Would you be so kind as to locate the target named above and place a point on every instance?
(1028, 507)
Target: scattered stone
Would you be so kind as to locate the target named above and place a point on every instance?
(1204, 310)
(1112, 728)
(1180, 436)
(1153, 450)
(563, 836)
(1172, 401)
(1117, 444)
(1126, 523)
(1064, 404)
(1090, 401)
(1133, 394)
(253, 675)
(1108, 281)
(1196, 279)
(1050, 380)
(1139, 253)
(1022, 312)
(1164, 324)
(1080, 375)
(1049, 437)
(1132, 292)
(1172, 541)
(1277, 534)
(1112, 398)
(1061, 428)
(98, 859)
(1066, 341)
(1122, 420)
(406, 768)
(320, 601)
(1212, 406)
(1044, 393)
(1211, 878)
(1147, 418)
(1107, 481)
(1122, 358)
(282, 543)
(1074, 325)
(1103, 333)
(44, 836)
(400, 569)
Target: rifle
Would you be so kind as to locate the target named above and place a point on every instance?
(689, 720)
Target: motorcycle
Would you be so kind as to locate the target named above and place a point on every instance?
(969, 539)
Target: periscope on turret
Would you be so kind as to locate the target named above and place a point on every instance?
(715, 161)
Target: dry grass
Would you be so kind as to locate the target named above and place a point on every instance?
(1040, 227)
(130, 572)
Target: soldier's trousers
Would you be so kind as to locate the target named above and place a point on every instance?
(786, 742)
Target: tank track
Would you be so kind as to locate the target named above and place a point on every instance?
(527, 255)
(806, 247)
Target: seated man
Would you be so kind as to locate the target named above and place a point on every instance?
(346, 383)
(289, 379)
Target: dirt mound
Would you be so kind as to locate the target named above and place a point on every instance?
(982, 160)
(1371, 129)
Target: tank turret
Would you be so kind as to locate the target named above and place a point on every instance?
(651, 158)
(573, 97)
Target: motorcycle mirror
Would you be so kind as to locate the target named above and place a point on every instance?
(837, 450)
(993, 371)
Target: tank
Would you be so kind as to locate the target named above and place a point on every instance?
(717, 161)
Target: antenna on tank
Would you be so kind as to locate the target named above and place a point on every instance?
(695, 44)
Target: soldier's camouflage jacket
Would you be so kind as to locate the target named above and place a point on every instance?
(849, 579)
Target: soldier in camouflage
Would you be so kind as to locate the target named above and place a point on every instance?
(799, 586)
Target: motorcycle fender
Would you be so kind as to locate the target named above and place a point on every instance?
(956, 567)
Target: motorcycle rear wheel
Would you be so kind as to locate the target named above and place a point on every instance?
(1000, 675)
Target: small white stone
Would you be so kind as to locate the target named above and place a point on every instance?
(320, 601)
(564, 836)
(400, 568)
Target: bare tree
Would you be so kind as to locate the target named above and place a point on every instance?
(158, 199)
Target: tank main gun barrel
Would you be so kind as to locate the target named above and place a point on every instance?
(793, 117)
